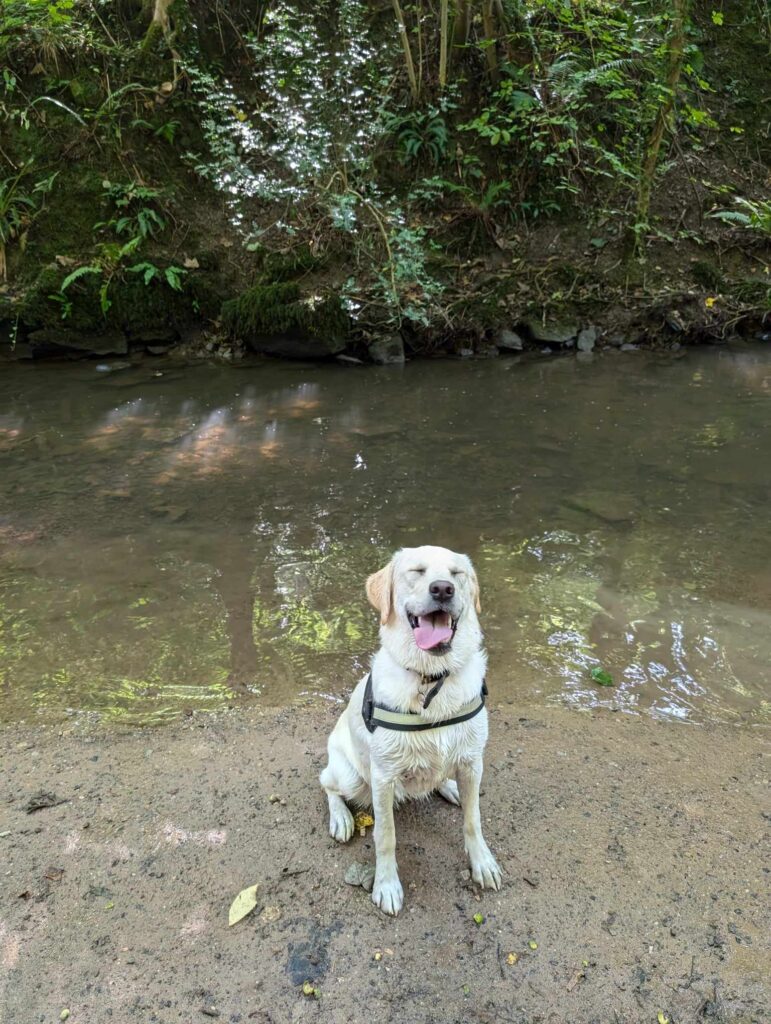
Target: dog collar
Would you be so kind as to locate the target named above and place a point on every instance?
(375, 714)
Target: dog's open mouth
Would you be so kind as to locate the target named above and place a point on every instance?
(436, 629)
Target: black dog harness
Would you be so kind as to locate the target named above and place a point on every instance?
(375, 714)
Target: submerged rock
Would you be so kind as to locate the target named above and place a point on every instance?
(60, 341)
(610, 506)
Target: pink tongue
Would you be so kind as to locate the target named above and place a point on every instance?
(428, 635)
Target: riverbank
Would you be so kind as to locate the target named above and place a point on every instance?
(215, 184)
(634, 887)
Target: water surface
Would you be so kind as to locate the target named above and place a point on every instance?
(177, 538)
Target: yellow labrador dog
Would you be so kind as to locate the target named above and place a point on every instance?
(417, 723)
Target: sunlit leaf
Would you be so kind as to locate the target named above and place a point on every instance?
(243, 904)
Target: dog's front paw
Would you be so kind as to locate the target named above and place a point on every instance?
(340, 823)
(485, 870)
(388, 895)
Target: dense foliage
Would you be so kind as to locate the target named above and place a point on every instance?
(382, 152)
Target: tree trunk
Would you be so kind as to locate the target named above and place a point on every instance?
(443, 29)
(462, 23)
(491, 52)
(409, 63)
(159, 26)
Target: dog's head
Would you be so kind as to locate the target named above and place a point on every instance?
(428, 599)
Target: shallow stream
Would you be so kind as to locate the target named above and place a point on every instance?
(179, 538)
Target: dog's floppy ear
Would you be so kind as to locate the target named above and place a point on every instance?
(474, 586)
(380, 590)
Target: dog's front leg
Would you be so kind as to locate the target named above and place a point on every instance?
(387, 892)
(484, 867)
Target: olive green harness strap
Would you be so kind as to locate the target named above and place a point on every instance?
(375, 714)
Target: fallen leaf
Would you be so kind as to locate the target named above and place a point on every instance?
(662, 1019)
(310, 990)
(361, 874)
(512, 958)
(191, 263)
(243, 904)
(64, 1014)
(709, 302)
(601, 677)
(533, 944)
(270, 914)
(479, 919)
(41, 800)
(363, 820)
(577, 976)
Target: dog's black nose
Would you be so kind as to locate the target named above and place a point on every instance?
(441, 590)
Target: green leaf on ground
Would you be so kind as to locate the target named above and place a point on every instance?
(243, 904)
(601, 677)
(479, 919)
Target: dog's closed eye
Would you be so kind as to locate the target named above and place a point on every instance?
(420, 572)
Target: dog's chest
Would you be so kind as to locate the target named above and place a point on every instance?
(421, 761)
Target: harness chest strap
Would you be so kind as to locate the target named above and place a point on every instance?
(375, 714)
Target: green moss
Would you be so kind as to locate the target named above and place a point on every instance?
(135, 305)
(271, 309)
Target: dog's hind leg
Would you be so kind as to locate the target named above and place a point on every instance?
(449, 791)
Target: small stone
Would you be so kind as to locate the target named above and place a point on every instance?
(509, 340)
(628, 347)
(274, 798)
(587, 338)
(555, 333)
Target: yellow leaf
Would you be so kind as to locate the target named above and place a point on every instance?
(363, 820)
(710, 301)
(243, 904)
(512, 958)
(533, 944)
(661, 1018)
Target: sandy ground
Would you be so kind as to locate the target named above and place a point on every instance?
(634, 857)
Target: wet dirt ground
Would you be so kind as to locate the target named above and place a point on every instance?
(635, 853)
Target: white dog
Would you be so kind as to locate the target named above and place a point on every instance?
(418, 722)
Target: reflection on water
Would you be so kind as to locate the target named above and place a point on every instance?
(177, 541)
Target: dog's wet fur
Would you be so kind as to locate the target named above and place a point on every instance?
(428, 600)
